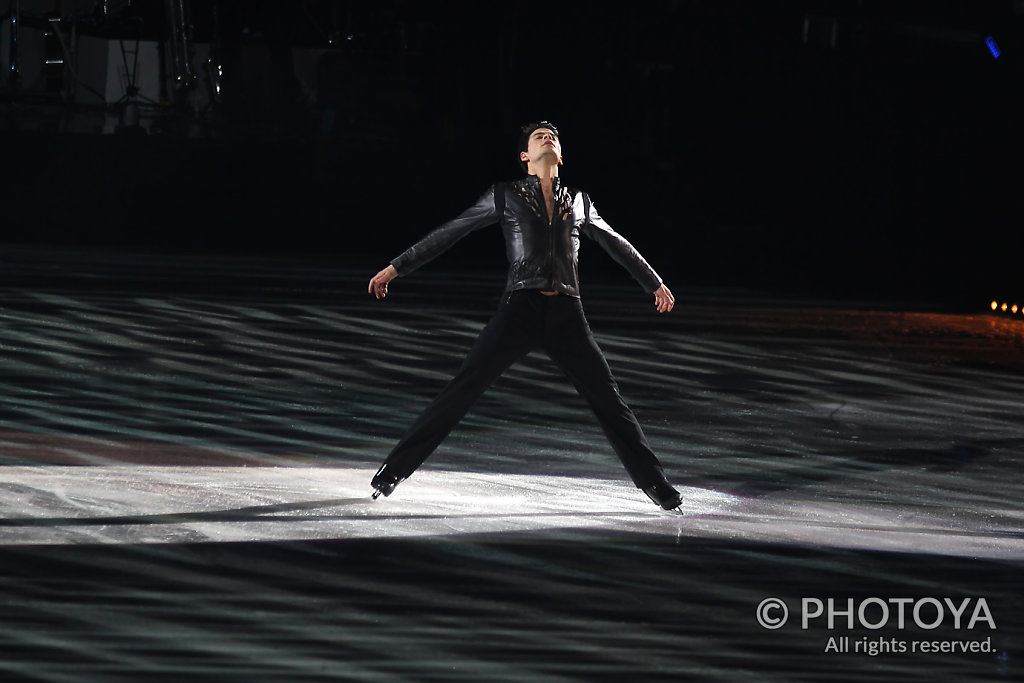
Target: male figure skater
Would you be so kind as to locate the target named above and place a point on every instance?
(542, 221)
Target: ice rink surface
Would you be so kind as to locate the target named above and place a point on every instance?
(187, 444)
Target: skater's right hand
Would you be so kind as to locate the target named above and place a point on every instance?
(379, 282)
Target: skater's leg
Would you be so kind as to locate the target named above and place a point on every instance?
(510, 335)
(571, 345)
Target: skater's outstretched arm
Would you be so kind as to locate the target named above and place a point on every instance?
(626, 255)
(436, 242)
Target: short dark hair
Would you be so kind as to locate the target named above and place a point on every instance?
(526, 130)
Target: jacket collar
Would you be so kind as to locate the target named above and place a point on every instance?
(534, 181)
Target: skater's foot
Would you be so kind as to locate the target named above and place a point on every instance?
(384, 482)
(664, 495)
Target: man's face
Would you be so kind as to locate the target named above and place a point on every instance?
(543, 142)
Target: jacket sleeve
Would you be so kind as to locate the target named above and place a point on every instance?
(618, 247)
(442, 238)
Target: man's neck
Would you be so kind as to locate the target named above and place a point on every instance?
(546, 173)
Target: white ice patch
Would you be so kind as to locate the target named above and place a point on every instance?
(55, 505)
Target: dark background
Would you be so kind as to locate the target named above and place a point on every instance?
(860, 150)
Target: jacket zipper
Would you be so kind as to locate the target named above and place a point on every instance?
(551, 236)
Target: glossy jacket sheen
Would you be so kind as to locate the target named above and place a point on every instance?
(542, 253)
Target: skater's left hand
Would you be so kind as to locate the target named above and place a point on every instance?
(663, 299)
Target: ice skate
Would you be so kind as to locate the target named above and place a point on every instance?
(384, 482)
(665, 496)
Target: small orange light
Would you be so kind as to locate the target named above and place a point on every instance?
(995, 305)
(1013, 308)
(1003, 307)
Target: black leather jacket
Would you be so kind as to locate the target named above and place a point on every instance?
(542, 253)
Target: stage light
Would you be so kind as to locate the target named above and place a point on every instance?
(1006, 307)
(992, 47)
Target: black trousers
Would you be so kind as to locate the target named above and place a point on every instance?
(527, 320)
